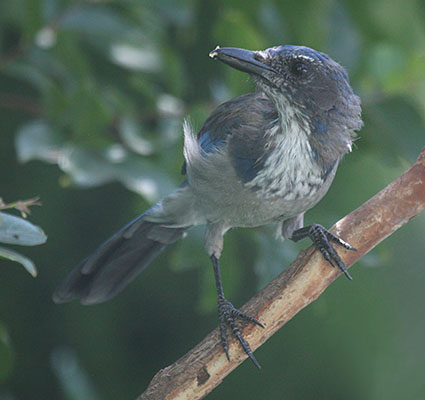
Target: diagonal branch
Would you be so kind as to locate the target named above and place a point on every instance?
(204, 367)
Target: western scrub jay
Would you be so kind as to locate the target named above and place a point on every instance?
(260, 158)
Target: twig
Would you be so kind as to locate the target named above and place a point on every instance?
(204, 367)
(21, 205)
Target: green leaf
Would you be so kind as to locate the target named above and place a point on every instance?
(14, 256)
(37, 141)
(131, 135)
(28, 73)
(16, 230)
(97, 21)
(87, 167)
(91, 115)
(135, 56)
(93, 167)
(143, 177)
(74, 380)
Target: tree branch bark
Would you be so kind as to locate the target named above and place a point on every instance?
(204, 367)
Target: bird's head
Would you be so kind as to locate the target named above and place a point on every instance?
(301, 81)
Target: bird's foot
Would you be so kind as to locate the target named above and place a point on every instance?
(321, 238)
(228, 314)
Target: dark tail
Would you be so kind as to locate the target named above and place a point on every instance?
(116, 262)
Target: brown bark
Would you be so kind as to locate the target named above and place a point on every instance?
(205, 366)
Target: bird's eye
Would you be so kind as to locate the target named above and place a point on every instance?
(299, 68)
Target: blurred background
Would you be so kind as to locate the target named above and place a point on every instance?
(92, 99)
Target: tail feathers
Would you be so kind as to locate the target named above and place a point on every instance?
(116, 262)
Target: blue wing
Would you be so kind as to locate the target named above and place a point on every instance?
(240, 124)
(210, 143)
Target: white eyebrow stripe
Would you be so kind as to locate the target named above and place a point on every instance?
(303, 56)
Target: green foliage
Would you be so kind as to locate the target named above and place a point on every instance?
(93, 95)
(18, 231)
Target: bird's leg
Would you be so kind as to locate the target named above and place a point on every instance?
(321, 238)
(227, 316)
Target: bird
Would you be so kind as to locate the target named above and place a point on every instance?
(263, 158)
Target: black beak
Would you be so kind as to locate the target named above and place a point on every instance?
(243, 60)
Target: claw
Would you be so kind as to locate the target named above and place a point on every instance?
(338, 240)
(247, 317)
(245, 346)
(348, 275)
(321, 238)
(228, 315)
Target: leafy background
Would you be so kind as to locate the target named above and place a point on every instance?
(92, 99)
